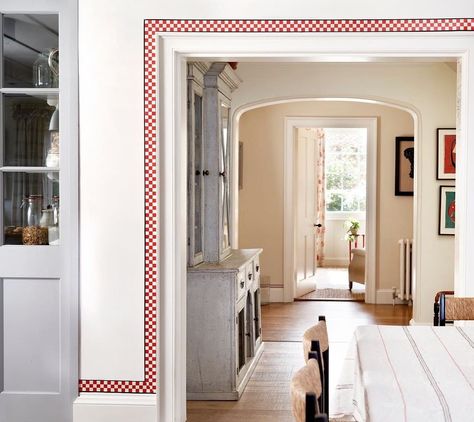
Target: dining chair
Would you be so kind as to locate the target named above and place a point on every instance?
(316, 339)
(306, 389)
(448, 308)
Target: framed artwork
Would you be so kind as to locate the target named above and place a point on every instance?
(447, 210)
(446, 154)
(404, 165)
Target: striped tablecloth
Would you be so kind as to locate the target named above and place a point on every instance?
(419, 374)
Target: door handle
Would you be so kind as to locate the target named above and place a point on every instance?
(318, 225)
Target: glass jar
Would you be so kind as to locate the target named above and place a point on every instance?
(33, 234)
(46, 70)
(42, 75)
(56, 209)
(34, 204)
(47, 218)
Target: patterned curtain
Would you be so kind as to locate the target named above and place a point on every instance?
(321, 195)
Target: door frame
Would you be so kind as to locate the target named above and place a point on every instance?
(171, 50)
(289, 214)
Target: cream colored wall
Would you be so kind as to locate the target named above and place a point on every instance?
(261, 199)
(427, 88)
(336, 249)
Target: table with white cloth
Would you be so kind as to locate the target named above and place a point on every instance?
(415, 373)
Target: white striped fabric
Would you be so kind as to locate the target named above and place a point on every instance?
(414, 374)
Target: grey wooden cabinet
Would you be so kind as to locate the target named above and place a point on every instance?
(224, 338)
(223, 289)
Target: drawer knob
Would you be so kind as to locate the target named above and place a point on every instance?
(205, 172)
(242, 283)
(257, 268)
(250, 276)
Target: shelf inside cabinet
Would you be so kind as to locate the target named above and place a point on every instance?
(14, 169)
(34, 92)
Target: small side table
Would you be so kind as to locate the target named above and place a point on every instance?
(356, 245)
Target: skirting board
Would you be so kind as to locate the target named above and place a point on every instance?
(413, 322)
(385, 296)
(106, 407)
(335, 262)
(276, 294)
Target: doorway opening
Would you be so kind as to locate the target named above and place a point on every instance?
(244, 178)
(331, 190)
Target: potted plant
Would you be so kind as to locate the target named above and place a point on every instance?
(352, 227)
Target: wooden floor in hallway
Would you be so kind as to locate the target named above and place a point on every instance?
(266, 397)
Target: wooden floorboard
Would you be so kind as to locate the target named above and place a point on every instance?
(266, 398)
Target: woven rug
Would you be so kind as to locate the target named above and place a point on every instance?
(334, 294)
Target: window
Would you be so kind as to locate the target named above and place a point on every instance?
(345, 169)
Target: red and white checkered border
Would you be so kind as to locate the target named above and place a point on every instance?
(154, 26)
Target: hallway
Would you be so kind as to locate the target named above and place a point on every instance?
(266, 398)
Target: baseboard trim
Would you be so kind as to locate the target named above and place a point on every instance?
(413, 322)
(106, 407)
(276, 294)
(108, 399)
(385, 297)
(335, 262)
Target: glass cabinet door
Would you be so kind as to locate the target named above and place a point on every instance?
(195, 175)
(198, 176)
(29, 124)
(224, 172)
(30, 51)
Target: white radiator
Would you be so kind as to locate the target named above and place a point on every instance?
(406, 246)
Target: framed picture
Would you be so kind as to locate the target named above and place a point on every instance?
(404, 165)
(446, 154)
(447, 210)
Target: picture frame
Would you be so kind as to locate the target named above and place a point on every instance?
(447, 210)
(446, 156)
(404, 165)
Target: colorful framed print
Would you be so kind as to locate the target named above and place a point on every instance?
(446, 154)
(447, 210)
(404, 165)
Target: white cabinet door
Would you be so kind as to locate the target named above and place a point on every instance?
(306, 211)
(38, 276)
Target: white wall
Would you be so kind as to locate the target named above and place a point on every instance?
(430, 88)
(111, 120)
(336, 249)
(261, 204)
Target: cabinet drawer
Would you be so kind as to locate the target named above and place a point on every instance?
(240, 287)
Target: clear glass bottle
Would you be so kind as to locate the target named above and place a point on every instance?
(46, 69)
(34, 209)
(56, 209)
(42, 75)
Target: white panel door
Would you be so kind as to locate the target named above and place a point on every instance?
(306, 210)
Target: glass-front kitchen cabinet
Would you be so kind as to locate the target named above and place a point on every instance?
(29, 159)
(210, 86)
(39, 210)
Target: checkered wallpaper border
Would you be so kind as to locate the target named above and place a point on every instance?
(154, 26)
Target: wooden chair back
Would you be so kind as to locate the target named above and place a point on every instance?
(452, 308)
(316, 339)
(306, 389)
